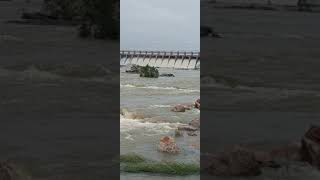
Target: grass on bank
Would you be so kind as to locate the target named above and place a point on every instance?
(131, 158)
(133, 163)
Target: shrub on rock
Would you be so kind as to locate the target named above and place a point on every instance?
(150, 72)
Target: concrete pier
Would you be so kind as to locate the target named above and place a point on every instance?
(177, 60)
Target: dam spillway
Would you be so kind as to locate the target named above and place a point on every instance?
(177, 60)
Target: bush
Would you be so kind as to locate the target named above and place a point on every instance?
(150, 72)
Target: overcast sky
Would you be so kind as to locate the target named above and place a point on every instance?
(160, 25)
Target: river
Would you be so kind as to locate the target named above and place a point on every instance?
(153, 99)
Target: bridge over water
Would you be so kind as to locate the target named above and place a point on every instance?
(178, 60)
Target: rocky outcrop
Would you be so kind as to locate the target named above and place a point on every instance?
(168, 145)
(310, 146)
(149, 72)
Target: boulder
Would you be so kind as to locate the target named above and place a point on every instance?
(197, 104)
(168, 145)
(237, 162)
(149, 72)
(310, 146)
(167, 75)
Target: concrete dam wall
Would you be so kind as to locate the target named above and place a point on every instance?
(177, 60)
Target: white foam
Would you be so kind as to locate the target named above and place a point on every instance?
(128, 127)
(159, 88)
(160, 106)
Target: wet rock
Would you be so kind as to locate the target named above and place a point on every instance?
(237, 162)
(197, 104)
(180, 108)
(7, 171)
(149, 72)
(195, 123)
(168, 145)
(167, 75)
(310, 146)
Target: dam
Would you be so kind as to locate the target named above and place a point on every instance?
(173, 59)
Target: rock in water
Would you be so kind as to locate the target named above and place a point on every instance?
(168, 145)
(238, 162)
(167, 75)
(195, 123)
(197, 104)
(180, 108)
(310, 146)
(149, 72)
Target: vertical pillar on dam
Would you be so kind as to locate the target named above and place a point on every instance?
(140, 58)
(173, 59)
(145, 58)
(165, 59)
(158, 59)
(179, 61)
(127, 58)
(153, 59)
